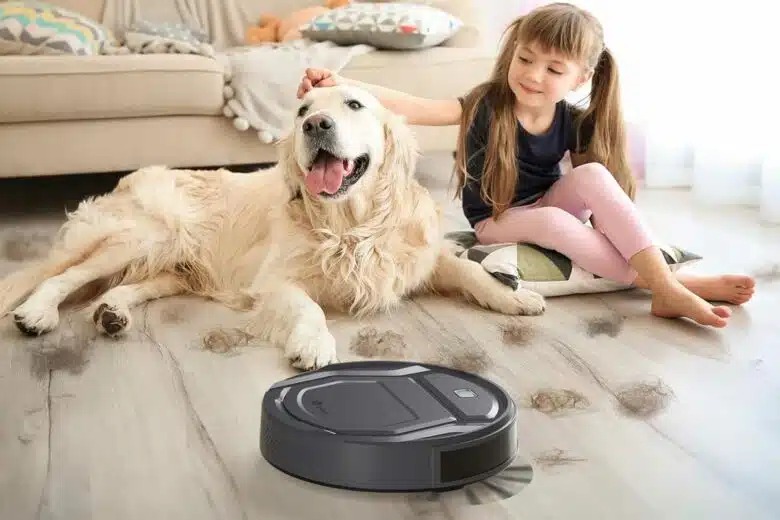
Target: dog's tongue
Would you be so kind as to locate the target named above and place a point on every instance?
(327, 174)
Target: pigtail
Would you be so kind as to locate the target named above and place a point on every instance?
(609, 142)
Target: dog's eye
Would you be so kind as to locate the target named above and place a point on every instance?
(302, 110)
(354, 104)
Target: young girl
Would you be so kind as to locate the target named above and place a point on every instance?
(515, 129)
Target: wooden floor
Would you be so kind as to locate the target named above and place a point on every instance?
(623, 416)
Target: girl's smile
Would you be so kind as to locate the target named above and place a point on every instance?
(530, 90)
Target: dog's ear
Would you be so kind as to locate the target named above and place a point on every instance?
(400, 145)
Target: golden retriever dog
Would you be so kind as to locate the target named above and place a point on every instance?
(339, 222)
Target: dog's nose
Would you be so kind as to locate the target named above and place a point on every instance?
(317, 124)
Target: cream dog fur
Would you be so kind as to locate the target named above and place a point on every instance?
(350, 230)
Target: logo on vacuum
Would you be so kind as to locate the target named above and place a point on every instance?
(319, 405)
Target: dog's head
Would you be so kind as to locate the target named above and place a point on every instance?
(344, 142)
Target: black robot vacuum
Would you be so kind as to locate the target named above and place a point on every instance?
(388, 426)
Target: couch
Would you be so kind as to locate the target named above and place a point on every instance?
(83, 114)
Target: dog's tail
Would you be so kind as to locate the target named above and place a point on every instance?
(18, 285)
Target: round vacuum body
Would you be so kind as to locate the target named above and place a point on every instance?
(388, 426)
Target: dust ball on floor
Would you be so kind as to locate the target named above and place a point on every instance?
(222, 341)
(517, 333)
(556, 457)
(609, 325)
(644, 399)
(557, 401)
(371, 344)
(473, 361)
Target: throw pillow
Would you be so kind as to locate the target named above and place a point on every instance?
(397, 26)
(170, 31)
(546, 271)
(38, 28)
(147, 37)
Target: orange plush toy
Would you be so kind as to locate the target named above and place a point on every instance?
(271, 28)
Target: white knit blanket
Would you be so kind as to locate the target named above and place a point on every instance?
(261, 81)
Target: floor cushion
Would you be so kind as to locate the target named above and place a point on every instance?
(546, 271)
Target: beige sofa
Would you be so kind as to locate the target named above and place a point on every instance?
(68, 114)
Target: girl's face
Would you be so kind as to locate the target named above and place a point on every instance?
(540, 78)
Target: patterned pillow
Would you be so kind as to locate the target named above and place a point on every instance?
(35, 28)
(398, 26)
(545, 271)
(146, 37)
(170, 31)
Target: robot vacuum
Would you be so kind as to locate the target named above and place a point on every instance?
(388, 426)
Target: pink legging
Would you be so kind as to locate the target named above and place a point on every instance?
(557, 222)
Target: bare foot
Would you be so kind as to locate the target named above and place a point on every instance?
(679, 302)
(731, 288)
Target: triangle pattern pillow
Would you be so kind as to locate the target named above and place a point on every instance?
(29, 27)
(546, 271)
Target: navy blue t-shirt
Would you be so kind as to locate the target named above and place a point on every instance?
(538, 157)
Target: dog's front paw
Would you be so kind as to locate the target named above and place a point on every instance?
(311, 349)
(111, 320)
(34, 319)
(520, 302)
(531, 303)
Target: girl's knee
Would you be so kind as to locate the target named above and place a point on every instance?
(591, 174)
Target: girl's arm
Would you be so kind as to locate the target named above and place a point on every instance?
(417, 110)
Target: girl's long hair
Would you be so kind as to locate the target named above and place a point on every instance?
(578, 35)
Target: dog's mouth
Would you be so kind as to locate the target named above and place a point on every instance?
(331, 176)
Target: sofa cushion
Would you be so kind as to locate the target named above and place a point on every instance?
(433, 72)
(55, 88)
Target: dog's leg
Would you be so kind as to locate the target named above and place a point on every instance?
(111, 312)
(469, 279)
(40, 314)
(285, 315)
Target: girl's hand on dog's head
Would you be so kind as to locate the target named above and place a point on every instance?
(316, 78)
